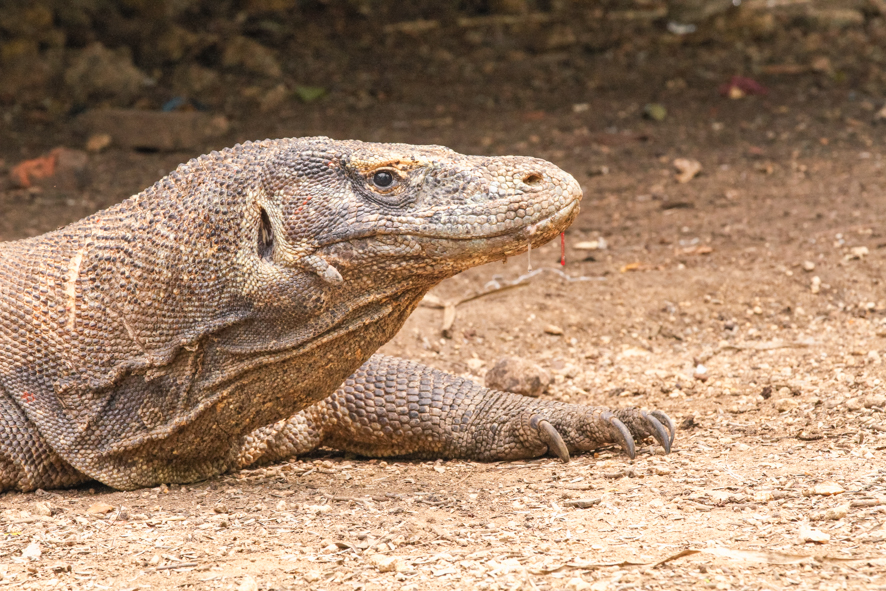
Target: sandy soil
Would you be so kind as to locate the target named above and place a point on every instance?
(766, 269)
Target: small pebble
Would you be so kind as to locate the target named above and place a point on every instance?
(98, 142)
(386, 564)
(700, 373)
(99, 509)
(810, 534)
(248, 584)
(687, 169)
(827, 488)
(32, 551)
(808, 266)
(579, 584)
(42, 508)
(786, 404)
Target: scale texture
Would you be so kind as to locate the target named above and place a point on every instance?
(189, 330)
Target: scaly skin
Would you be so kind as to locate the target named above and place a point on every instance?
(394, 407)
(146, 342)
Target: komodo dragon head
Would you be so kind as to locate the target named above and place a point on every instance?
(357, 212)
(244, 286)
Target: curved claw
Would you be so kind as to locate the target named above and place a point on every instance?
(659, 432)
(555, 442)
(627, 440)
(666, 420)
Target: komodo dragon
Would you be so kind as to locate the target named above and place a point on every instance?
(186, 331)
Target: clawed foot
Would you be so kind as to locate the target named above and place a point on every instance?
(599, 427)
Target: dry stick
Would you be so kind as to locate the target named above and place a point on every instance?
(761, 347)
(529, 256)
(563, 246)
(175, 566)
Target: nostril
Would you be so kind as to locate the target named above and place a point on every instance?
(533, 179)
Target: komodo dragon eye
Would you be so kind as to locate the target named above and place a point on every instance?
(384, 179)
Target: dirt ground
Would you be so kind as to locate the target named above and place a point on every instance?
(748, 303)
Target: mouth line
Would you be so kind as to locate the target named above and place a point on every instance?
(530, 228)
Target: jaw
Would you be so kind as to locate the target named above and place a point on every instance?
(441, 256)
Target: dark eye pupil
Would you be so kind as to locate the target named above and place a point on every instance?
(383, 179)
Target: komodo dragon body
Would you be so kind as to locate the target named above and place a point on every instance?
(188, 330)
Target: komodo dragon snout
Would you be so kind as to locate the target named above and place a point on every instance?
(230, 313)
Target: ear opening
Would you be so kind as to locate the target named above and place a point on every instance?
(265, 237)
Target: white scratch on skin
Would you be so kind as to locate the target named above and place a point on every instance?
(71, 287)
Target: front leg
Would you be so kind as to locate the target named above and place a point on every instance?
(394, 407)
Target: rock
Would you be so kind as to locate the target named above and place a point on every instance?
(808, 266)
(98, 142)
(553, 329)
(243, 52)
(815, 285)
(312, 576)
(154, 130)
(32, 551)
(857, 252)
(42, 508)
(785, 404)
(827, 488)
(836, 513)
(98, 73)
(874, 400)
(854, 404)
(513, 374)
(700, 373)
(62, 169)
(687, 169)
(577, 584)
(99, 509)
(475, 364)
(810, 534)
(387, 564)
(247, 584)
